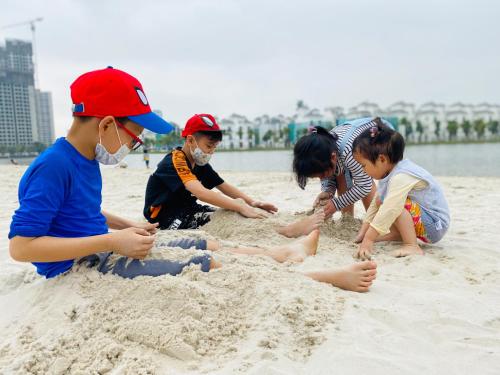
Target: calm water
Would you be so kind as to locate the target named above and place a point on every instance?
(440, 160)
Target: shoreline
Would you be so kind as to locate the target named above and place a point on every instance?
(433, 143)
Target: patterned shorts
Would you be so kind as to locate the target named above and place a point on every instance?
(417, 215)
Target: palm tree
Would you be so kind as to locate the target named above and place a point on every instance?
(268, 136)
(479, 127)
(251, 136)
(452, 128)
(420, 131)
(466, 127)
(301, 104)
(240, 135)
(407, 125)
(437, 131)
(493, 127)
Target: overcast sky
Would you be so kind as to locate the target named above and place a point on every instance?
(261, 56)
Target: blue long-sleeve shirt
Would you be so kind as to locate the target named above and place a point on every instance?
(59, 196)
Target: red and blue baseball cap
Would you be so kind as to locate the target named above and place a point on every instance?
(202, 122)
(112, 92)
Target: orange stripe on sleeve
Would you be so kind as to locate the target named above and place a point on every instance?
(181, 166)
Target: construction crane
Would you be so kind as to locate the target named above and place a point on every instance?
(33, 40)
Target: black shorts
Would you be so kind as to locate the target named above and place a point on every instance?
(191, 217)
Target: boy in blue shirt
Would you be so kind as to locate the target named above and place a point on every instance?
(60, 218)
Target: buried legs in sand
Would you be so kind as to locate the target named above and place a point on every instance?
(357, 277)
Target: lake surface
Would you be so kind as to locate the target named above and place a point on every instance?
(441, 160)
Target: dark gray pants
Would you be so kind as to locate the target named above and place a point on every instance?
(129, 269)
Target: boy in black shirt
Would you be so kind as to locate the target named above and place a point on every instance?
(184, 176)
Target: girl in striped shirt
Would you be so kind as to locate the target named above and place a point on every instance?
(328, 156)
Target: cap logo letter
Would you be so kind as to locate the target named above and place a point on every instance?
(207, 121)
(142, 96)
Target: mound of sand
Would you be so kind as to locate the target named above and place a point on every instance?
(99, 323)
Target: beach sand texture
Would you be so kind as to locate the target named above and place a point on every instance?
(434, 314)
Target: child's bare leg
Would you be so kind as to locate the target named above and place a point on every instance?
(296, 251)
(405, 227)
(357, 277)
(393, 235)
(213, 245)
(302, 227)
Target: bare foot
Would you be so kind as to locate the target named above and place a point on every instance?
(295, 251)
(304, 226)
(357, 277)
(299, 250)
(407, 250)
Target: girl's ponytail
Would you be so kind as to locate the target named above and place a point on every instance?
(380, 139)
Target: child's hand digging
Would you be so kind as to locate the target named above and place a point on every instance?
(361, 234)
(322, 199)
(151, 228)
(269, 207)
(132, 242)
(364, 252)
(251, 213)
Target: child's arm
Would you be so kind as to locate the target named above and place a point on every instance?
(366, 247)
(196, 188)
(131, 242)
(117, 222)
(388, 211)
(234, 192)
(370, 214)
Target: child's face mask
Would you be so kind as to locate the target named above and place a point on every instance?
(200, 158)
(103, 156)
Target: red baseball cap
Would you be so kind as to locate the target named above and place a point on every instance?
(112, 92)
(202, 122)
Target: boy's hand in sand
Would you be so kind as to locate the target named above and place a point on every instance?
(269, 207)
(151, 228)
(364, 252)
(132, 242)
(251, 213)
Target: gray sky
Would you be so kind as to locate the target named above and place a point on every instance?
(257, 56)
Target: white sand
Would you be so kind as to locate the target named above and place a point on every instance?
(438, 313)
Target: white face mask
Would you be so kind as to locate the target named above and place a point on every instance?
(200, 158)
(103, 156)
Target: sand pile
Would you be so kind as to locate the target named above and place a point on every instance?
(100, 323)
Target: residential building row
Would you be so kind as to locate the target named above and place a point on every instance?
(426, 123)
